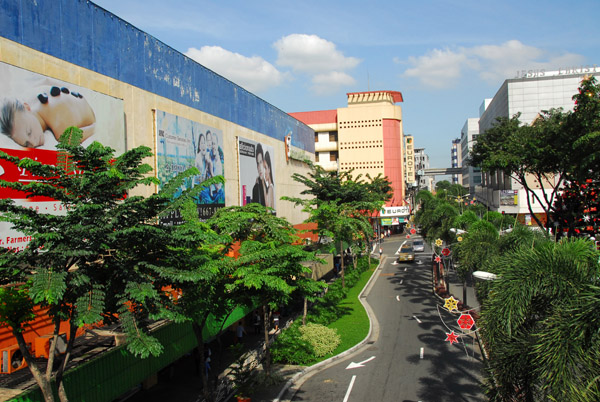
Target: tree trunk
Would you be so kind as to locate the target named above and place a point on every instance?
(40, 379)
(62, 392)
(305, 311)
(342, 263)
(198, 327)
(267, 350)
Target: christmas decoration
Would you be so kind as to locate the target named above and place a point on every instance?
(465, 321)
(439, 242)
(437, 259)
(451, 337)
(451, 304)
(459, 239)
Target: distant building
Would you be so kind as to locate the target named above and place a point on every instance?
(456, 160)
(471, 176)
(422, 163)
(366, 136)
(528, 94)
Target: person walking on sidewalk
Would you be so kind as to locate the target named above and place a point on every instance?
(240, 331)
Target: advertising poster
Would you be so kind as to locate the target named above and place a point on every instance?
(257, 178)
(509, 197)
(182, 144)
(34, 111)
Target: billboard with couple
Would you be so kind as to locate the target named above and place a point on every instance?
(257, 175)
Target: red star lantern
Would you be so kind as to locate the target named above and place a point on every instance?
(408, 236)
(413, 231)
(465, 321)
(451, 337)
(437, 258)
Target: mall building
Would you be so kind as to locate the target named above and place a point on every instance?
(529, 93)
(367, 137)
(139, 91)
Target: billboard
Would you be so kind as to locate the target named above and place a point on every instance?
(257, 177)
(509, 197)
(182, 144)
(34, 111)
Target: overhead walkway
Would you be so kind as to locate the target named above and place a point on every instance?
(441, 171)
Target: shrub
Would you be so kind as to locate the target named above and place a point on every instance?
(290, 347)
(323, 340)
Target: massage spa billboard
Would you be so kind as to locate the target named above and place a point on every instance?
(182, 144)
(34, 112)
(257, 177)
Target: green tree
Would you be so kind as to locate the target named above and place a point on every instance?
(100, 261)
(267, 269)
(340, 205)
(540, 323)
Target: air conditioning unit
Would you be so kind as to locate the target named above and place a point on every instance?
(41, 345)
(11, 360)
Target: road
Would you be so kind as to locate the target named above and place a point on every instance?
(407, 357)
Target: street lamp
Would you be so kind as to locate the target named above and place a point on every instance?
(484, 276)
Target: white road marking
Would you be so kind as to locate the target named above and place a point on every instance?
(415, 317)
(359, 364)
(349, 388)
(405, 269)
(398, 297)
(401, 280)
(422, 352)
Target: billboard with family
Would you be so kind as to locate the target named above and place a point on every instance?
(182, 144)
(257, 177)
(34, 112)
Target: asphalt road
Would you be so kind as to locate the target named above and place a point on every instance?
(407, 357)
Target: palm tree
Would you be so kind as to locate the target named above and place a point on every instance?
(540, 323)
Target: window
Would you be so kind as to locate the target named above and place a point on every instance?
(333, 136)
(333, 157)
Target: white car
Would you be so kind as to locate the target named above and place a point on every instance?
(418, 245)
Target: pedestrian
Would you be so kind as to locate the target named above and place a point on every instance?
(380, 252)
(276, 320)
(256, 322)
(240, 331)
(207, 354)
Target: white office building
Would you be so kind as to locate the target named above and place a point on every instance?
(528, 94)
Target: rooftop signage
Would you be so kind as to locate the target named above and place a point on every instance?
(540, 72)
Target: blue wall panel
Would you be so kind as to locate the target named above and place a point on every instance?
(84, 34)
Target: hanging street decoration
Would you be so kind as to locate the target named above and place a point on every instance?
(451, 337)
(465, 321)
(451, 304)
(445, 251)
(459, 239)
(408, 236)
(438, 259)
(439, 242)
(413, 231)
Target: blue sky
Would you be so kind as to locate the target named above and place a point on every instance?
(445, 56)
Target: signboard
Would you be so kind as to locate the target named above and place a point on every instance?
(182, 144)
(37, 109)
(395, 211)
(257, 175)
(509, 197)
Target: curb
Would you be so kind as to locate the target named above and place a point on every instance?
(293, 385)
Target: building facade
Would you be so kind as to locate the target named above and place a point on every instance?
(140, 91)
(528, 95)
(422, 163)
(456, 160)
(366, 136)
(471, 176)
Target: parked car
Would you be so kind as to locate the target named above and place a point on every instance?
(406, 253)
(418, 245)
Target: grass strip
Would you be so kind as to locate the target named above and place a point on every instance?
(352, 327)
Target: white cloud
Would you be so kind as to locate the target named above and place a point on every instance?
(252, 73)
(491, 63)
(311, 54)
(328, 83)
(317, 57)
